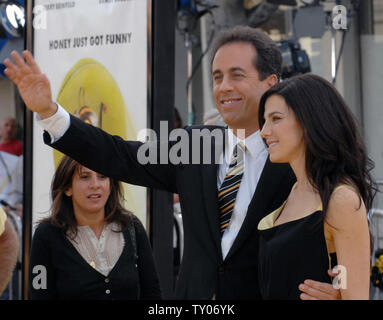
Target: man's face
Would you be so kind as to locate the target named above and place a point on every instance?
(8, 129)
(236, 85)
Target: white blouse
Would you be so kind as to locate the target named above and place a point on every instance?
(102, 254)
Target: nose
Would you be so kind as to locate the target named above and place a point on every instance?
(265, 131)
(94, 182)
(226, 84)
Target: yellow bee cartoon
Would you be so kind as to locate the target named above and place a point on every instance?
(87, 114)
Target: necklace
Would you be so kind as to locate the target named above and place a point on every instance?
(88, 245)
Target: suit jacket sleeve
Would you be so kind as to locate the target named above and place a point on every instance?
(115, 157)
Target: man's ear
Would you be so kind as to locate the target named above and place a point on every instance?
(68, 192)
(272, 80)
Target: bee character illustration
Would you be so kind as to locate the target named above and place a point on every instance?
(86, 113)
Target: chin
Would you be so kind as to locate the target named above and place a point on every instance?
(227, 119)
(276, 159)
(95, 209)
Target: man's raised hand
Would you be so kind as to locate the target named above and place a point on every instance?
(33, 85)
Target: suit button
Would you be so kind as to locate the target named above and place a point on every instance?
(221, 270)
(107, 291)
(106, 280)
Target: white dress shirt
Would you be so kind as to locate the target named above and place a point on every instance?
(255, 159)
(57, 124)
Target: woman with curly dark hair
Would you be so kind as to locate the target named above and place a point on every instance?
(305, 122)
(90, 247)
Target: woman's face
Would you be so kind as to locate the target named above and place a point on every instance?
(89, 191)
(283, 133)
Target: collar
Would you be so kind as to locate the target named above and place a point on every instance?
(254, 143)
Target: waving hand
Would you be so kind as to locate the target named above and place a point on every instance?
(33, 85)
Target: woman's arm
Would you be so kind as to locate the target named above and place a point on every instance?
(346, 222)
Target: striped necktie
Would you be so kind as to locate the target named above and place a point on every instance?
(229, 187)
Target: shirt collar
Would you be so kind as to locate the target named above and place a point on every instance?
(254, 143)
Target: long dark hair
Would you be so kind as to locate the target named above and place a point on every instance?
(62, 214)
(335, 152)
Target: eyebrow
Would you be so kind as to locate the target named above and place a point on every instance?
(83, 169)
(272, 113)
(233, 69)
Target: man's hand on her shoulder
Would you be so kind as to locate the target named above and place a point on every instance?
(315, 290)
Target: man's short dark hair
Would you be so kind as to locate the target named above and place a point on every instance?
(268, 60)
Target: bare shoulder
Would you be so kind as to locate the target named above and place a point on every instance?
(9, 233)
(346, 196)
(346, 208)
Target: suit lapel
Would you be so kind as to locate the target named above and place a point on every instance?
(210, 195)
(210, 191)
(268, 184)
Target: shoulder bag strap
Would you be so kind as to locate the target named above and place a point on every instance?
(132, 233)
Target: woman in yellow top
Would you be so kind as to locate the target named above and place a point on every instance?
(305, 122)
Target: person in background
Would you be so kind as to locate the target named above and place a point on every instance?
(16, 192)
(8, 167)
(12, 203)
(9, 247)
(90, 246)
(323, 223)
(8, 141)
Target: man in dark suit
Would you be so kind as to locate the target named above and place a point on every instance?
(220, 257)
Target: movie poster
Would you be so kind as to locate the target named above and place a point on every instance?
(95, 54)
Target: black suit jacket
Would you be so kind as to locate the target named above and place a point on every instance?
(203, 272)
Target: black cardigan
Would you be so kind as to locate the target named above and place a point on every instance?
(69, 276)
